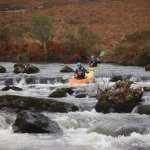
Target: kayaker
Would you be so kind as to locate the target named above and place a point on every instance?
(94, 61)
(80, 72)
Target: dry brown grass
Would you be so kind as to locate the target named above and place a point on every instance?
(110, 19)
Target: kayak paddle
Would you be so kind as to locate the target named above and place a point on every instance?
(66, 77)
(102, 53)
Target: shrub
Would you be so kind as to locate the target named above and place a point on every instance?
(138, 36)
(80, 43)
(121, 50)
(147, 67)
(5, 34)
(143, 58)
(42, 29)
(22, 58)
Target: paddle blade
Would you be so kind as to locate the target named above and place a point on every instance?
(65, 77)
(102, 53)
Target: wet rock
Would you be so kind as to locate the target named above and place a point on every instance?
(8, 82)
(80, 95)
(12, 88)
(58, 93)
(119, 98)
(127, 130)
(66, 69)
(30, 122)
(147, 67)
(6, 88)
(142, 109)
(69, 90)
(116, 78)
(146, 89)
(25, 68)
(30, 81)
(16, 88)
(2, 69)
(18, 103)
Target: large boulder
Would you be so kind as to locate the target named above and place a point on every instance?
(66, 69)
(147, 67)
(25, 68)
(30, 122)
(2, 69)
(19, 103)
(142, 109)
(119, 98)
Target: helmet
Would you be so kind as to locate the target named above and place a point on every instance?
(92, 56)
(79, 64)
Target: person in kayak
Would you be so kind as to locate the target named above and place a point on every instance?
(94, 61)
(80, 72)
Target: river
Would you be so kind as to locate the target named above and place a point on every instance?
(82, 130)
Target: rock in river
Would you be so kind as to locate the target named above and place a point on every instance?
(119, 98)
(30, 122)
(19, 103)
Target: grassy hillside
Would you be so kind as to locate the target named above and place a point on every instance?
(110, 20)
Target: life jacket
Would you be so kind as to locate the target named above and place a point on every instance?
(93, 63)
(80, 74)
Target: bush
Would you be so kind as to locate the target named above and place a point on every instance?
(42, 29)
(147, 67)
(22, 58)
(5, 34)
(121, 50)
(80, 43)
(143, 58)
(138, 36)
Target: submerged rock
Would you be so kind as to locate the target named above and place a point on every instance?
(66, 69)
(30, 122)
(2, 69)
(11, 88)
(69, 90)
(58, 93)
(61, 92)
(116, 78)
(147, 89)
(9, 82)
(80, 95)
(119, 98)
(25, 68)
(128, 129)
(18, 103)
(142, 109)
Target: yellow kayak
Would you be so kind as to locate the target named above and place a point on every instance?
(89, 77)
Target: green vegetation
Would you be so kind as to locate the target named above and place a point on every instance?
(5, 34)
(147, 67)
(42, 29)
(143, 58)
(139, 36)
(81, 43)
(134, 50)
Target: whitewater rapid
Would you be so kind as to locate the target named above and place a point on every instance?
(82, 130)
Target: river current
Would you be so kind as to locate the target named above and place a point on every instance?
(82, 130)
